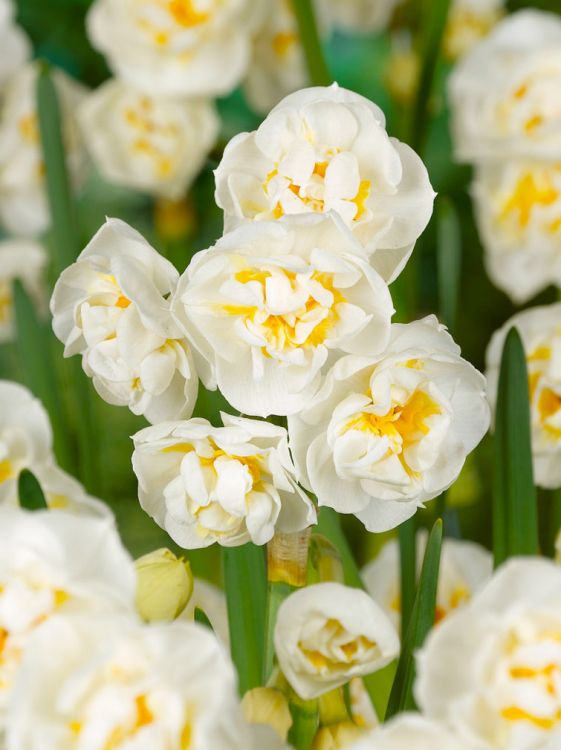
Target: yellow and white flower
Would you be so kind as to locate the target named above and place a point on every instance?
(23, 204)
(411, 731)
(112, 307)
(278, 67)
(14, 43)
(152, 143)
(505, 94)
(53, 562)
(326, 149)
(518, 211)
(464, 567)
(384, 434)
(541, 336)
(24, 260)
(468, 22)
(492, 670)
(107, 682)
(230, 484)
(328, 633)
(359, 16)
(271, 303)
(174, 47)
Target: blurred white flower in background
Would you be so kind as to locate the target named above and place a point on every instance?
(464, 567)
(53, 562)
(152, 143)
(327, 633)
(230, 484)
(491, 671)
(178, 47)
(359, 16)
(112, 307)
(14, 44)
(278, 67)
(518, 211)
(23, 201)
(105, 682)
(326, 149)
(23, 260)
(269, 303)
(468, 22)
(541, 336)
(384, 434)
(505, 95)
(26, 442)
(212, 601)
(409, 731)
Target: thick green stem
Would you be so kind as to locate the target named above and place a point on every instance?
(305, 723)
(309, 36)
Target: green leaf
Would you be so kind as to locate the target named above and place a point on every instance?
(37, 365)
(246, 592)
(30, 493)
(422, 620)
(515, 517)
(433, 22)
(311, 43)
(449, 256)
(202, 619)
(64, 233)
(329, 524)
(277, 592)
(407, 570)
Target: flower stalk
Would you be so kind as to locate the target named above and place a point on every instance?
(311, 43)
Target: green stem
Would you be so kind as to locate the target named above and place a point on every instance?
(432, 28)
(277, 592)
(304, 723)
(329, 524)
(311, 43)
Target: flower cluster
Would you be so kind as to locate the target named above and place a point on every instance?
(289, 313)
(506, 115)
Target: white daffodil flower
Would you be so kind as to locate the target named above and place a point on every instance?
(278, 67)
(23, 203)
(328, 633)
(386, 433)
(14, 42)
(359, 16)
(230, 484)
(174, 47)
(326, 149)
(541, 337)
(411, 731)
(54, 562)
(518, 211)
(24, 260)
(152, 143)
(468, 22)
(505, 95)
(107, 682)
(492, 670)
(464, 567)
(112, 307)
(270, 304)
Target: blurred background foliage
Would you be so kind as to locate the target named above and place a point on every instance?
(56, 28)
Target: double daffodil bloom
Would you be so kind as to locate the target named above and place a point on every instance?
(24, 260)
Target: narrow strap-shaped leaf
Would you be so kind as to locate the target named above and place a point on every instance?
(433, 21)
(449, 256)
(38, 369)
(422, 620)
(30, 494)
(246, 592)
(277, 592)
(63, 219)
(515, 523)
(202, 619)
(311, 43)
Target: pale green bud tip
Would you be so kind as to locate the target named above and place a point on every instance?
(164, 585)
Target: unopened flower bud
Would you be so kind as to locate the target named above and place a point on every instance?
(336, 736)
(268, 706)
(164, 585)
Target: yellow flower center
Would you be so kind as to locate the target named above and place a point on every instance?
(283, 42)
(305, 328)
(545, 402)
(352, 648)
(28, 126)
(7, 470)
(148, 133)
(5, 302)
(534, 189)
